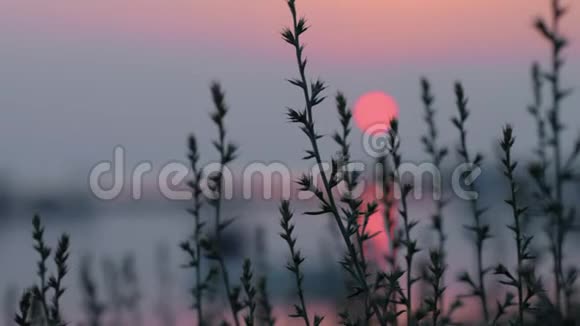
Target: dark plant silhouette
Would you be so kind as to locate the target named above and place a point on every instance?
(479, 228)
(407, 241)
(93, 307)
(250, 292)
(227, 153)
(560, 216)
(266, 316)
(522, 279)
(352, 262)
(192, 246)
(296, 259)
(437, 153)
(35, 308)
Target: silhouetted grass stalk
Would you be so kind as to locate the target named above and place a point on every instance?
(434, 277)
(408, 225)
(93, 307)
(312, 98)
(517, 212)
(195, 251)
(558, 43)
(293, 265)
(250, 291)
(44, 253)
(266, 318)
(479, 228)
(535, 109)
(386, 182)
(437, 153)
(350, 178)
(523, 281)
(227, 153)
(55, 282)
(34, 307)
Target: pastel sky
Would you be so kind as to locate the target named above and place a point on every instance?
(347, 30)
(79, 77)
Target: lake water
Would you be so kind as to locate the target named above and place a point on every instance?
(151, 233)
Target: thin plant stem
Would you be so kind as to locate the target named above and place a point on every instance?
(93, 307)
(227, 153)
(55, 282)
(535, 109)
(478, 228)
(250, 291)
(196, 212)
(312, 98)
(267, 317)
(435, 278)
(385, 180)
(408, 225)
(294, 263)
(44, 253)
(561, 224)
(517, 212)
(437, 153)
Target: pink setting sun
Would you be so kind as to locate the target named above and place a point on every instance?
(373, 111)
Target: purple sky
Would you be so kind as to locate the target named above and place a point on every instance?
(79, 78)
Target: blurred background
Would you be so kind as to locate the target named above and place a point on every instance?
(78, 78)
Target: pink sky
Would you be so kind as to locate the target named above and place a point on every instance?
(344, 29)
